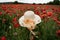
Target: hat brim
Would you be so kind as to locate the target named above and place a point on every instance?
(37, 20)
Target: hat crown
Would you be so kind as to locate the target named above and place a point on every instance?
(29, 14)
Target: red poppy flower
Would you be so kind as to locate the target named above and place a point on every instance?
(43, 16)
(0, 13)
(55, 18)
(4, 8)
(49, 13)
(3, 38)
(16, 25)
(47, 7)
(43, 9)
(8, 11)
(58, 32)
(44, 12)
(12, 6)
(36, 12)
(15, 19)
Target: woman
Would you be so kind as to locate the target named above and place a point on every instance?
(29, 20)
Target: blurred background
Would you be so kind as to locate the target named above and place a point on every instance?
(12, 10)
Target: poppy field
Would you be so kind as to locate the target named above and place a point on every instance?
(48, 29)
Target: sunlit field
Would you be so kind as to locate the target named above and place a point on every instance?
(48, 29)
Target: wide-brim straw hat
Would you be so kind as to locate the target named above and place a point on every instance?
(30, 15)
